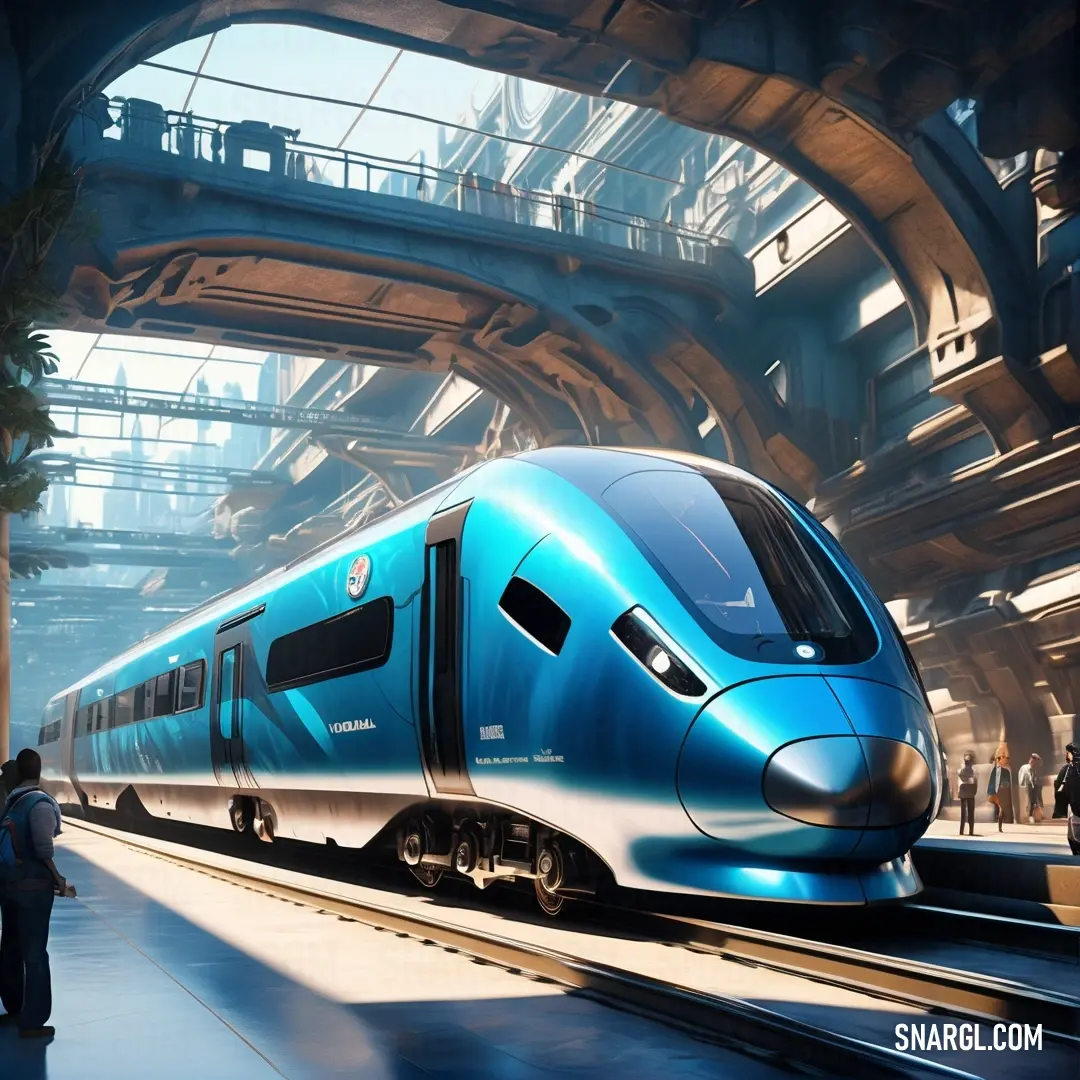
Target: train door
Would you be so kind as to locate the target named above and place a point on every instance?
(442, 625)
(227, 710)
(67, 749)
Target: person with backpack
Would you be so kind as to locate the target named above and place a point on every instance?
(9, 778)
(29, 880)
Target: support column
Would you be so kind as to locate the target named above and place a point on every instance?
(5, 637)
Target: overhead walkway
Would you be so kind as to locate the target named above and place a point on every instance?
(127, 400)
(117, 547)
(278, 151)
(180, 478)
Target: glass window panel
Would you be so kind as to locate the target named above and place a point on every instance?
(191, 681)
(357, 640)
(227, 694)
(125, 708)
(745, 564)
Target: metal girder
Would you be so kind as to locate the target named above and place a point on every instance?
(429, 454)
(119, 399)
(68, 466)
(109, 547)
(126, 538)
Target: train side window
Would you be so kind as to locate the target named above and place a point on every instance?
(50, 723)
(536, 614)
(125, 708)
(190, 694)
(49, 733)
(165, 694)
(148, 699)
(357, 640)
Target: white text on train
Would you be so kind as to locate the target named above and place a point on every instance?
(352, 725)
(492, 731)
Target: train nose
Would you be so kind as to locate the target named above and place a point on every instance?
(848, 782)
(789, 766)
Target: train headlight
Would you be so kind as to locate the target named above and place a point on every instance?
(639, 639)
(659, 661)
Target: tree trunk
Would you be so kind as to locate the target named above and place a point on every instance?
(5, 637)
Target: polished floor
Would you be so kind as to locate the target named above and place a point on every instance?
(158, 978)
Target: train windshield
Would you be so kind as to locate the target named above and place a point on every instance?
(757, 579)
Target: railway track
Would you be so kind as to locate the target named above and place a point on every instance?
(833, 959)
(1060, 942)
(727, 1021)
(975, 996)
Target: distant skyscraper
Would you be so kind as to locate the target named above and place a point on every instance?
(242, 447)
(57, 510)
(120, 508)
(275, 385)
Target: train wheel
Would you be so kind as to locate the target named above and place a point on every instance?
(550, 903)
(242, 816)
(428, 876)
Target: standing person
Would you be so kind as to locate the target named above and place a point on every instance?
(966, 790)
(1031, 788)
(999, 789)
(31, 819)
(1067, 795)
(8, 778)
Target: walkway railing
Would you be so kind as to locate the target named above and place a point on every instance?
(145, 126)
(66, 393)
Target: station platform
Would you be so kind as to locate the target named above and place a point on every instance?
(162, 973)
(1027, 864)
(1050, 838)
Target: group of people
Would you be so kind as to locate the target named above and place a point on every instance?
(999, 791)
(29, 881)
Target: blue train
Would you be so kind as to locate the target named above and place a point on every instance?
(571, 667)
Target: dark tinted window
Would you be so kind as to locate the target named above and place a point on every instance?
(536, 613)
(354, 641)
(125, 708)
(165, 694)
(173, 691)
(191, 686)
(751, 572)
(909, 660)
(50, 723)
(49, 733)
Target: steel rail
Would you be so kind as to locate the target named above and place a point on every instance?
(973, 995)
(727, 1021)
(1056, 940)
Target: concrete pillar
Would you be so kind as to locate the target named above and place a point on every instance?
(5, 638)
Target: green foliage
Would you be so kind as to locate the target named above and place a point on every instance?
(32, 563)
(29, 226)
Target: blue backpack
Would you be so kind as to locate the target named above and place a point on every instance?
(11, 853)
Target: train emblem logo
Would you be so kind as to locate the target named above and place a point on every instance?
(359, 573)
